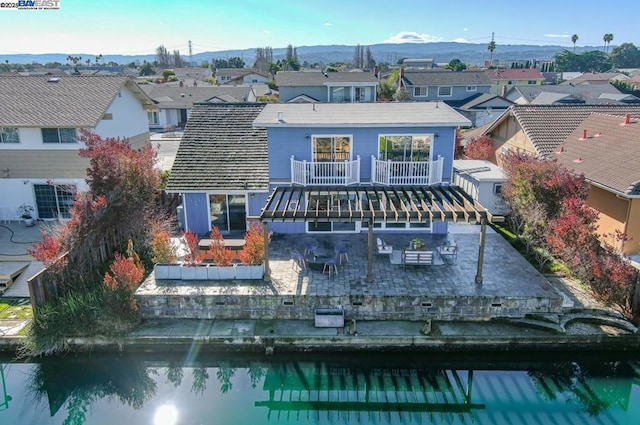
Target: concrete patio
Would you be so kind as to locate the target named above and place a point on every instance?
(510, 287)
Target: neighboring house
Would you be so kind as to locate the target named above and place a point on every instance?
(310, 146)
(482, 108)
(503, 79)
(418, 63)
(595, 78)
(40, 119)
(608, 158)
(316, 86)
(221, 168)
(541, 129)
(175, 103)
(445, 85)
(565, 94)
(198, 74)
(235, 76)
(482, 180)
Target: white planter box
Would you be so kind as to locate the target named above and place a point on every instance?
(250, 272)
(226, 273)
(167, 271)
(201, 272)
(187, 273)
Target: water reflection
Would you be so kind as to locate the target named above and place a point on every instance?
(331, 390)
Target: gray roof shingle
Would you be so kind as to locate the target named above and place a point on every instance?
(609, 159)
(221, 150)
(316, 78)
(176, 97)
(71, 101)
(445, 78)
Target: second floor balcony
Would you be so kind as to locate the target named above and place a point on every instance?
(395, 173)
(344, 173)
(340, 173)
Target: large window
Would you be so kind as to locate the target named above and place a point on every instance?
(59, 135)
(9, 135)
(420, 91)
(54, 201)
(408, 147)
(445, 91)
(331, 148)
(340, 94)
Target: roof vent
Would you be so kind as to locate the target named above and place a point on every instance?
(53, 80)
(280, 116)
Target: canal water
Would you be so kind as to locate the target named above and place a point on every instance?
(190, 389)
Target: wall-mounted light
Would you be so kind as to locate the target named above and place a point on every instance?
(307, 136)
(436, 134)
(26, 181)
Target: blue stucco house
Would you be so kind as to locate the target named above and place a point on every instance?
(386, 166)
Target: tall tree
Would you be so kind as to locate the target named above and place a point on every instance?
(177, 59)
(358, 57)
(625, 55)
(491, 47)
(163, 58)
(574, 38)
(608, 38)
(369, 62)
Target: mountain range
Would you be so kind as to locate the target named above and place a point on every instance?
(442, 52)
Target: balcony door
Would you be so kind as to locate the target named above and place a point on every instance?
(54, 201)
(405, 148)
(331, 148)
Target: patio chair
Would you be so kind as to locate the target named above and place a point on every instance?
(310, 245)
(383, 248)
(299, 259)
(342, 251)
(449, 250)
(331, 263)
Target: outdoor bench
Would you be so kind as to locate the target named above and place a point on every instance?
(417, 258)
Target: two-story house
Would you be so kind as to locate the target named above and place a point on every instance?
(227, 173)
(444, 85)
(40, 119)
(321, 86)
(569, 95)
(503, 79)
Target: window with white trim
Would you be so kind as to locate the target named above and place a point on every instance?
(445, 91)
(152, 116)
(9, 135)
(59, 135)
(472, 88)
(420, 91)
(331, 148)
(405, 148)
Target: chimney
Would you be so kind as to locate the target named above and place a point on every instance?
(503, 92)
(561, 150)
(280, 116)
(627, 119)
(400, 84)
(375, 71)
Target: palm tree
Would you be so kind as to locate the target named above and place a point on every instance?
(491, 47)
(574, 38)
(608, 38)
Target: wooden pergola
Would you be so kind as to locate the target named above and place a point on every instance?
(373, 204)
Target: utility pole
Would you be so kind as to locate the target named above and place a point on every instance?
(190, 52)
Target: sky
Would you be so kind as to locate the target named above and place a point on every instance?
(139, 27)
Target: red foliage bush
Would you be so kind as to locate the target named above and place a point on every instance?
(253, 251)
(49, 251)
(220, 255)
(479, 148)
(121, 281)
(192, 258)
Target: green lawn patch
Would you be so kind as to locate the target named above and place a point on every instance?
(15, 310)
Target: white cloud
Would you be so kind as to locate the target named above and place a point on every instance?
(412, 37)
(465, 29)
(266, 31)
(327, 24)
(460, 40)
(557, 35)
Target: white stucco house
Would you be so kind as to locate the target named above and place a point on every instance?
(40, 119)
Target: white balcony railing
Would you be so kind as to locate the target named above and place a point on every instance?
(307, 173)
(396, 173)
